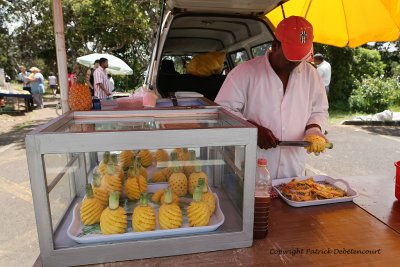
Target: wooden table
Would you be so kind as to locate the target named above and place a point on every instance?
(340, 234)
(26, 97)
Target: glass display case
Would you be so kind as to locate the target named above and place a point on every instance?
(151, 147)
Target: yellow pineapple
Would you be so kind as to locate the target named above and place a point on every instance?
(117, 168)
(91, 208)
(189, 169)
(183, 154)
(167, 172)
(158, 177)
(103, 164)
(144, 217)
(177, 181)
(99, 192)
(194, 178)
(79, 96)
(136, 183)
(125, 159)
(157, 195)
(162, 155)
(146, 157)
(198, 212)
(110, 180)
(207, 196)
(169, 214)
(318, 143)
(113, 219)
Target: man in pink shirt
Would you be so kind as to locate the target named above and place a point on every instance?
(282, 95)
(101, 85)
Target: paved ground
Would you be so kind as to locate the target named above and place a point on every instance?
(18, 237)
(358, 150)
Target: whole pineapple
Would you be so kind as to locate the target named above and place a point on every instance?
(99, 192)
(144, 217)
(207, 196)
(103, 164)
(162, 155)
(125, 159)
(79, 96)
(189, 169)
(198, 212)
(111, 180)
(156, 197)
(177, 181)
(113, 219)
(91, 208)
(146, 157)
(195, 176)
(136, 183)
(117, 168)
(183, 154)
(169, 214)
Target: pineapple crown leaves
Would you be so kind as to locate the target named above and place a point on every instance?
(96, 179)
(174, 159)
(167, 195)
(80, 72)
(106, 157)
(197, 194)
(202, 185)
(113, 200)
(89, 191)
(144, 199)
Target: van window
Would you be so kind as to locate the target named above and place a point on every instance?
(238, 57)
(260, 50)
(179, 62)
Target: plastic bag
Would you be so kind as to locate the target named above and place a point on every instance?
(207, 64)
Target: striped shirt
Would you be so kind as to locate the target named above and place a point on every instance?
(100, 76)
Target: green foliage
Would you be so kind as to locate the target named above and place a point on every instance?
(375, 94)
(367, 63)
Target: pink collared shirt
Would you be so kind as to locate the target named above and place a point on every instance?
(253, 91)
(100, 76)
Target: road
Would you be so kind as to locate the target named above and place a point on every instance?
(357, 151)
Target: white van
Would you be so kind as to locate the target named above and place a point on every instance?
(190, 27)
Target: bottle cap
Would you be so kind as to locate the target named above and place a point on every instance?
(262, 162)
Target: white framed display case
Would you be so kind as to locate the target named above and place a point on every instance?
(63, 153)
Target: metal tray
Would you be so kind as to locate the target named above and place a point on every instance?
(75, 229)
(318, 178)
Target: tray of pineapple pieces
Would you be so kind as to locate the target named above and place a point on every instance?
(139, 210)
(315, 190)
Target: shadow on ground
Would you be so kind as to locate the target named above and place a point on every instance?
(387, 130)
(17, 134)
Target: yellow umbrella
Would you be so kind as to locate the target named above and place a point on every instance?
(345, 22)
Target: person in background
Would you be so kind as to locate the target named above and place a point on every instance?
(101, 85)
(324, 70)
(282, 95)
(37, 87)
(90, 76)
(23, 78)
(53, 83)
(111, 83)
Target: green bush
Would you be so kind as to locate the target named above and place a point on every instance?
(374, 95)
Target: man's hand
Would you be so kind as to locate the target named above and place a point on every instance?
(265, 138)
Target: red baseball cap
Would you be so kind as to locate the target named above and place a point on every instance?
(296, 36)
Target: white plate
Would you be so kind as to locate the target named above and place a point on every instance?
(75, 228)
(350, 193)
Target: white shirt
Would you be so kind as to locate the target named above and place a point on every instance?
(254, 92)
(111, 84)
(324, 69)
(52, 80)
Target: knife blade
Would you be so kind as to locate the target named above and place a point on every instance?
(301, 144)
(294, 143)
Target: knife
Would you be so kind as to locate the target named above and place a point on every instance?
(301, 144)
